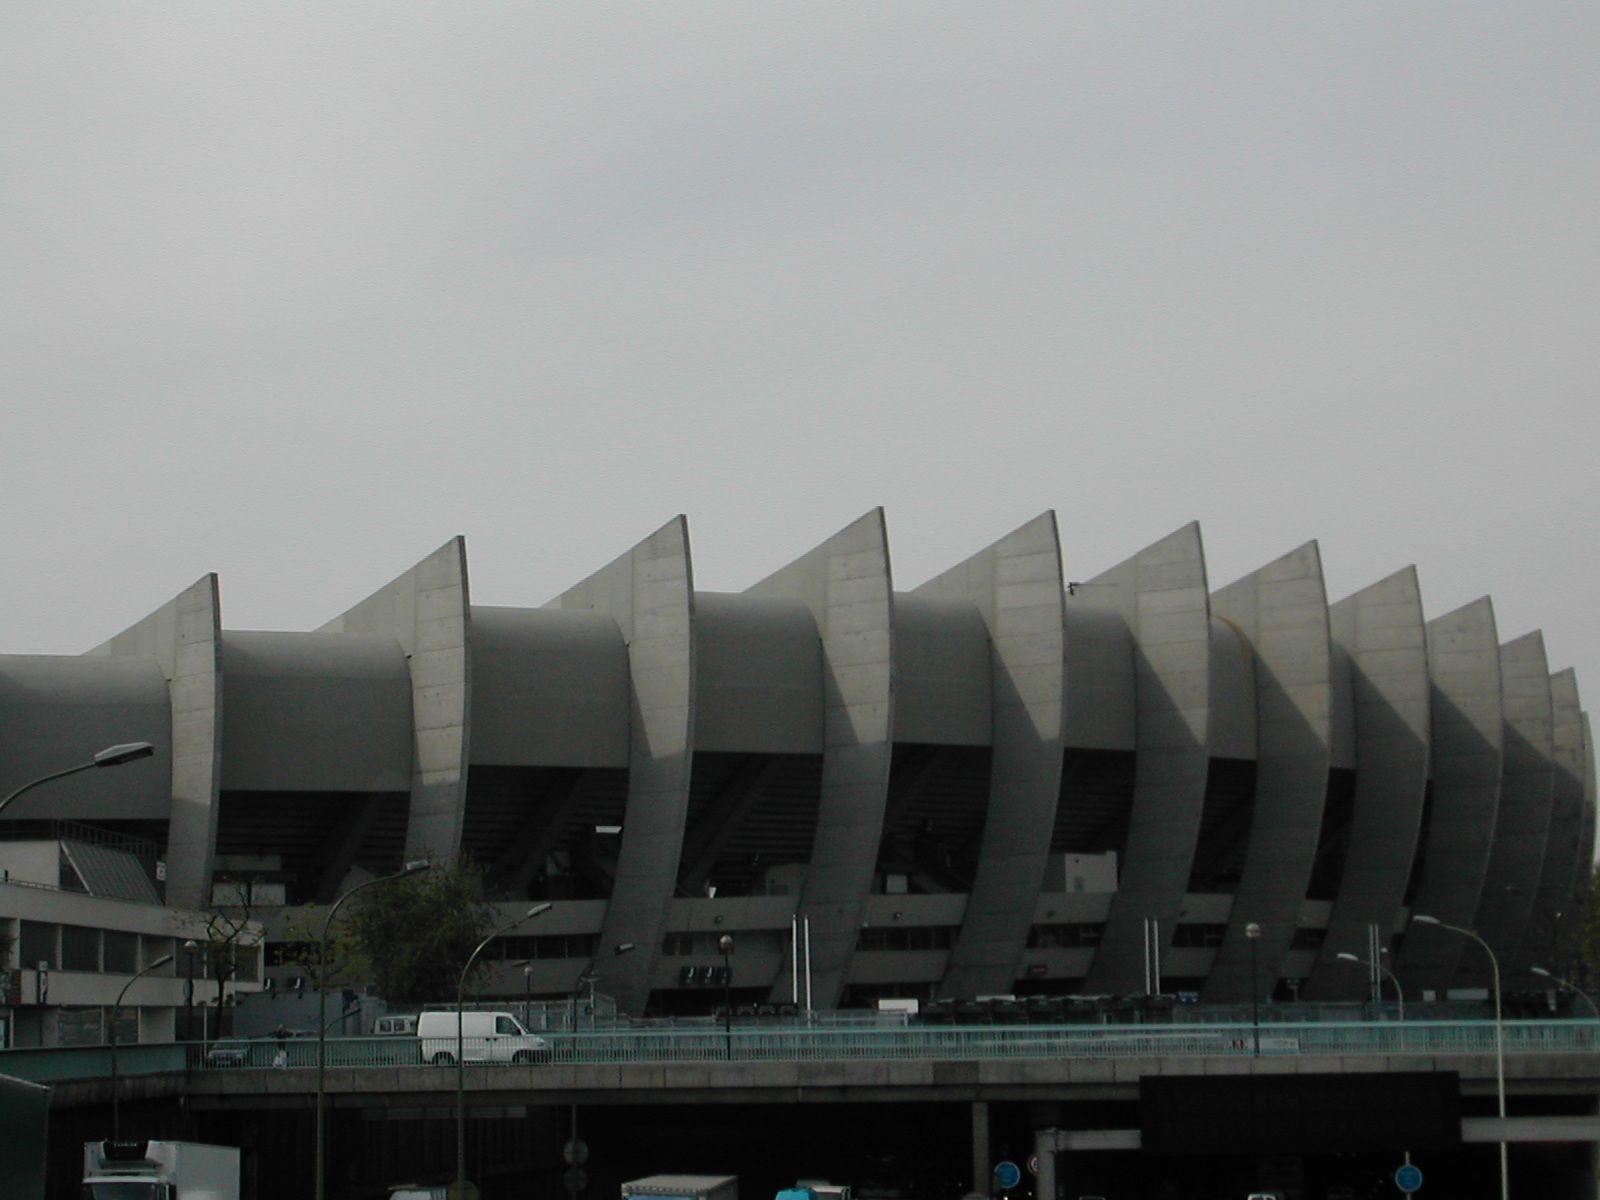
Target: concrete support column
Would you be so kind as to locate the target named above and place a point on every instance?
(1044, 1149)
(981, 1161)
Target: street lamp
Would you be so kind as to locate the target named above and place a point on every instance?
(588, 975)
(725, 944)
(111, 756)
(461, 1045)
(1499, 1041)
(1399, 993)
(411, 868)
(1570, 986)
(116, 1011)
(1252, 934)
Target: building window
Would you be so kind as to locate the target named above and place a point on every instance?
(122, 953)
(38, 944)
(907, 937)
(80, 948)
(1198, 937)
(1074, 936)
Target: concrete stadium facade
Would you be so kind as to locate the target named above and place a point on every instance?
(997, 782)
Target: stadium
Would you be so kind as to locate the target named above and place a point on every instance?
(1002, 782)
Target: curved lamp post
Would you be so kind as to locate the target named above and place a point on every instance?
(461, 1046)
(1252, 933)
(116, 1011)
(111, 756)
(411, 868)
(1400, 994)
(1499, 1039)
(1570, 986)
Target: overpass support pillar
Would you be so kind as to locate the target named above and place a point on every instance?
(982, 1164)
(1044, 1148)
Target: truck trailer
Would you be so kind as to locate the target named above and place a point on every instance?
(147, 1170)
(682, 1187)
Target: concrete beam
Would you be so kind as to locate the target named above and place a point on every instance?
(1018, 587)
(1522, 824)
(846, 584)
(1161, 596)
(1465, 715)
(1383, 642)
(426, 610)
(1282, 609)
(649, 592)
(184, 636)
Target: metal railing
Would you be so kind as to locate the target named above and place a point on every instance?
(800, 1043)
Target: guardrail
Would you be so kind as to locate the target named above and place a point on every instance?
(802, 1044)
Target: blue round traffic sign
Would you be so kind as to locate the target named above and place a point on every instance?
(1408, 1178)
(1007, 1174)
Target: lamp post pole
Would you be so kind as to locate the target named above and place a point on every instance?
(1382, 970)
(527, 993)
(587, 975)
(1252, 933)
(461, 1046)
(190, 949)
(725, 944)
(411, 868)
(1499, 1041)
(116, 1011)
(1570, 986)
(111, 756)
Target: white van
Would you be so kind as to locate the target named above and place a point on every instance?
(489, 1037)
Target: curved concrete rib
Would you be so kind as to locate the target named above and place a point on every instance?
(1466, 716)
(845, 582)
(1585, 867)
(426, 611)
(1381, 635)
(1566, 825)
(649, 591)
(185, 637)
(1017, 585)
(1523, 823)
(1160, 593)
(1283, 610)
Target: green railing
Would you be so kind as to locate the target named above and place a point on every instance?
(799, 1043)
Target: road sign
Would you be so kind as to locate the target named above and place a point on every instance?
(1007, 1174)
(575, 1179)
(575, 1153)
(1033, 1164)
(1408, 1178)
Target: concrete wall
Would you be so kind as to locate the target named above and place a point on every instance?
(548, 687)
(1384, 647)
(1016, 585)
(649, 593)
(58, 711)
(426, 611)
(1160, 594)
(315, 712)
(941, 672)
(845, 583)
(1468, 728)
(184, 637)
(758, 675)
(1283, 610)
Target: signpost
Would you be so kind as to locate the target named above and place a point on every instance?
(1408, 1178)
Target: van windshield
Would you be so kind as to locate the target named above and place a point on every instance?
(126, 1190)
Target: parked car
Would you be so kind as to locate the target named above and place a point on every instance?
(228, 1054)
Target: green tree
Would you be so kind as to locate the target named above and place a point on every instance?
(407, 938)
(1585, 947)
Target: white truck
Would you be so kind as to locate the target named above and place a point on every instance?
(682, 1187)
(146, 1170)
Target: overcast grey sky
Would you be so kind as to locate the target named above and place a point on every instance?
(296, 292)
